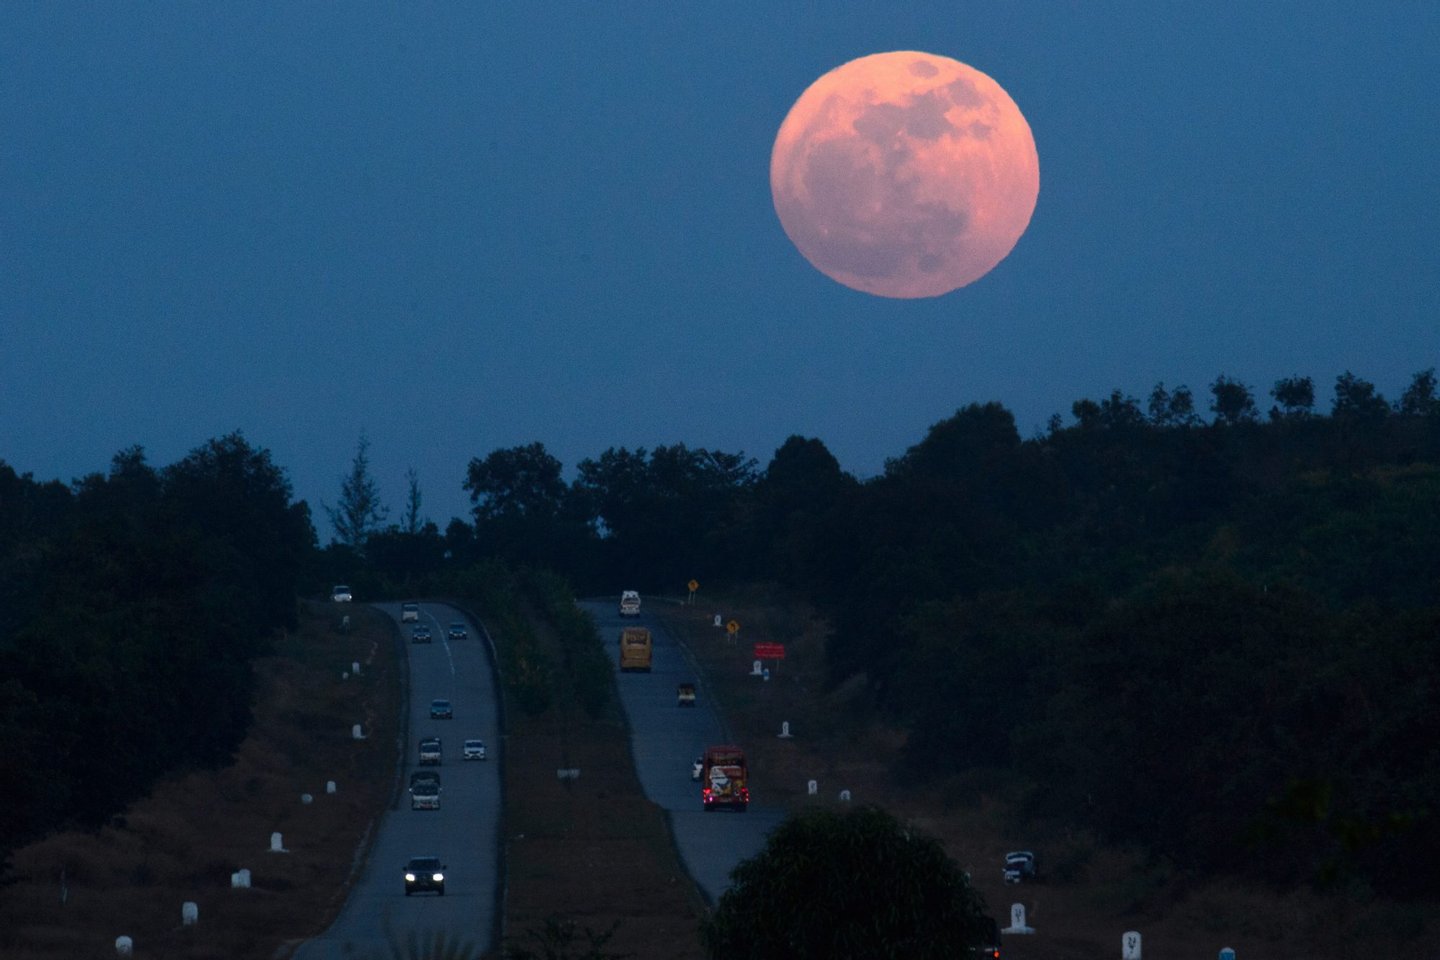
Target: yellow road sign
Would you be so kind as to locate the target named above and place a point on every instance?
(733, 627)
(693, 585)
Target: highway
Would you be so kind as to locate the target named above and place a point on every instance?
(665, 738)
(464, 832)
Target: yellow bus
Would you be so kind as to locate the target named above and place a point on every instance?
(635, 649)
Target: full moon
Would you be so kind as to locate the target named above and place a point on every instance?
(904, 174)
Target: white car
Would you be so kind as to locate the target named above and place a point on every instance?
(409, 612)
(629, 603)
(341, 594)
(474, 750)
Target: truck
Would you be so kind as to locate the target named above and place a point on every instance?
(424, 790)
(1021, 867)
(723, 780)
(635, 649)
(629, 603)
(430, 752)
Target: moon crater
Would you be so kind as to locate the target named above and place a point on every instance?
(904, 174)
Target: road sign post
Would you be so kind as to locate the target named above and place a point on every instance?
(693, 585)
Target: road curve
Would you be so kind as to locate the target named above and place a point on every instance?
(665, 738)
(464, 832)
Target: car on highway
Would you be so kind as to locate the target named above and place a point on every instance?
(431, 753)
(420, 634)
(629, 603)
(409, 612)
(425, 795)
(441, 710)
(474, 750)
(341, 594)
(424, 873)
(1020, 867)
(457, 631)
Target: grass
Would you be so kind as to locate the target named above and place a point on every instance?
(592, 850)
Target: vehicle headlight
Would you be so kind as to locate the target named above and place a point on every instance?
(438, 878)
(409, 878)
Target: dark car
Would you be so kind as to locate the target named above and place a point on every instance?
(420, 634)
(424, 776)
(989, 946)
(424, 873)
(441, 710)
(457, 631)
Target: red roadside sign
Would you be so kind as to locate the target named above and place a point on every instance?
(769, 651)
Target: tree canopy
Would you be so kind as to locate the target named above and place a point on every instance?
(855, 884)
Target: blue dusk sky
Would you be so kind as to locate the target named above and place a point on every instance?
(465, 226)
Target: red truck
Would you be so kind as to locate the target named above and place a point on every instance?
(723, 779)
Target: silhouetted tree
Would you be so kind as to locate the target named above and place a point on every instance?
(360, 511)
(1356, 399)
(853, 884)
(1168, 409)
(1295, 396)
(1419, 398)
(515, 483)
(412, 502)
(1233, 402)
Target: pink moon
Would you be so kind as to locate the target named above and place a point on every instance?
(904, 174)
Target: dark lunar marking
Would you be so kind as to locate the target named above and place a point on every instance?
(963, 93)
(929, 263)
(923, 68)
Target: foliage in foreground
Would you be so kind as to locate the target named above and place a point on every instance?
(839, 885)
(561, 939)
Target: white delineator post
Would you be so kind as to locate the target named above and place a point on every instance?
(785, 730)
(124, 946)
(1017, 920)
(276, 843)
(1130, 945)
(240, 879)
(813, 787)
(329, 786)
(189, 913)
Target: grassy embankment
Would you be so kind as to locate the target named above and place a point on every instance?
(72, 894)
(592, 850)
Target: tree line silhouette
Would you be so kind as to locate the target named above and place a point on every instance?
(1216, 638)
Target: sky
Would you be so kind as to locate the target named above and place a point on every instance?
(459, 227)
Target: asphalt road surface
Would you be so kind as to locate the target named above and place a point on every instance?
(464, 832)
(666, 738)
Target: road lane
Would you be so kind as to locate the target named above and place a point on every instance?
(665, 738)
(464, 832)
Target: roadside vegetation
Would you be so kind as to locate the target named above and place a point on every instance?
(591, 869)
(71, 894)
